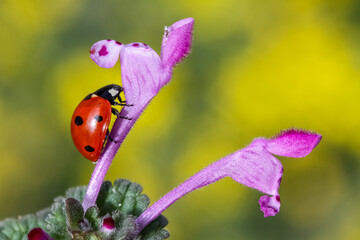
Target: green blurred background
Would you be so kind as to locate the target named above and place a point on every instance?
(257, 67)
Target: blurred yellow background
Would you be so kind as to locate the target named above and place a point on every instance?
(257, 67)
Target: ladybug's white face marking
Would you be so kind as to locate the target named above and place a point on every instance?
(113, 92)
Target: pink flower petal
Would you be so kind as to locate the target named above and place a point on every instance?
(141, 73)
(105, 53)
(176, 43)
(293, 143)
(270, 206)
(254, 167)
(38, 234)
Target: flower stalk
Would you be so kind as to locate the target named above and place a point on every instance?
(143, 74)
(253, 166)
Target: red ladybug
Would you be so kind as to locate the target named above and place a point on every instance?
(91, 119)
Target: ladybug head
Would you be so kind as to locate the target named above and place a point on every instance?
(110, 92)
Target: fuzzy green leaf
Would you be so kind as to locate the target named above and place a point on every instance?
(142, 202)
(93, 217)
(126, 226)
(74, 213)
(155, 231)
(13, 229)
(105, 201)
(121, 201)
(129, 201)
(76, 192)
(56, 221)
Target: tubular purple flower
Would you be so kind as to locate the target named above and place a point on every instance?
(143, 74)
(253, 166)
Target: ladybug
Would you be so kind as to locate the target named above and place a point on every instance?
(91, 119)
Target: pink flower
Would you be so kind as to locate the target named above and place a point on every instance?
(253, 166)
(143, 74)
(38, 234)
(109, 225)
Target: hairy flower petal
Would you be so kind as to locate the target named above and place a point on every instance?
(105, 53)
(293, 143)
(255, 167)
(176, 43)
(140, 72)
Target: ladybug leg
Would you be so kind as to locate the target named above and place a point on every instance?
(123, 102)
(120, 100)
(116, 113)
(107, 136)
(125, 118)
(112, 140)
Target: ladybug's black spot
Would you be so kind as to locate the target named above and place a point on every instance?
(88, 97)
(98, 118)
(89, 148)
(78, 120)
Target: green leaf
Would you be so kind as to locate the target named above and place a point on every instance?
(126, 226)
(155, 231)
(65, 219)
(129, 200)
(13, 229)
(105, 201)
(56, 224)
(74, 213)
(124, 196)
(142, 202)
(92, 215)
(76, 192)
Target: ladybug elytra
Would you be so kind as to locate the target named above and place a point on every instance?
(91, 119)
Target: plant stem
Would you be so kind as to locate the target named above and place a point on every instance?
(206, 176)
(118, 133)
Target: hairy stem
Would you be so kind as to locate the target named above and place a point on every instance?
(118, 133)
(206, 176)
